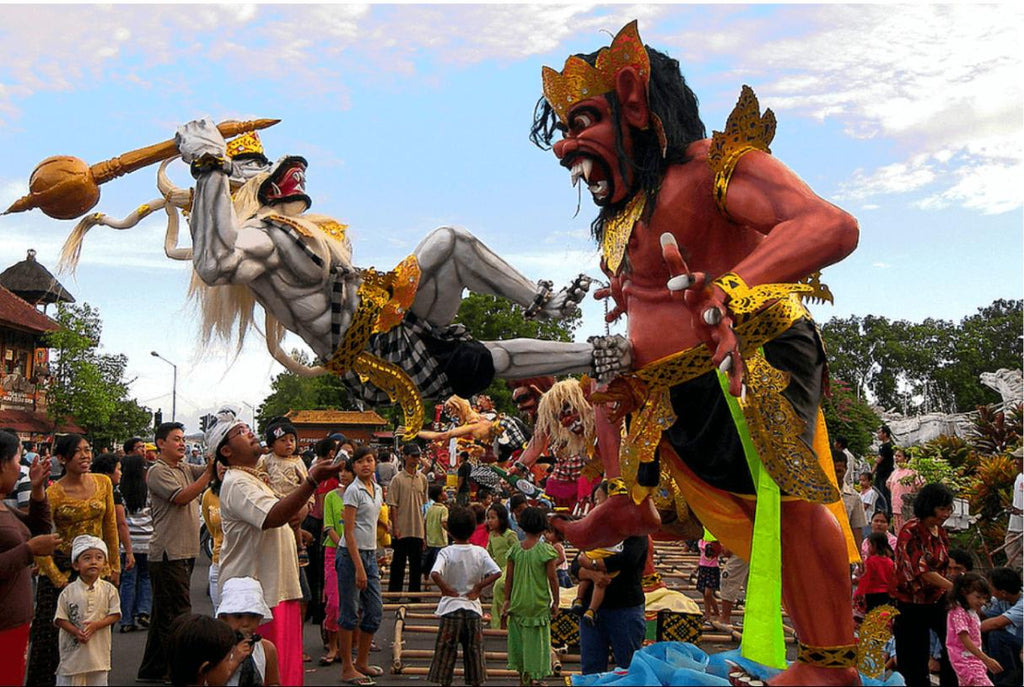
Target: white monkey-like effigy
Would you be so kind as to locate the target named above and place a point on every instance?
(393, 330)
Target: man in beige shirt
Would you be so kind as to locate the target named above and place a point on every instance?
(174, 490)
(257, 542)
(407, 495)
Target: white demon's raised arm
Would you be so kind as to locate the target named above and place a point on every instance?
(225, 250)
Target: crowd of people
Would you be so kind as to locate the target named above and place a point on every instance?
(114, 540)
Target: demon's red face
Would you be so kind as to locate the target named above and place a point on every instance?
(526, 400)
(588, 151)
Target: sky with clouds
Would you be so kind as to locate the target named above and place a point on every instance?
(416, 116)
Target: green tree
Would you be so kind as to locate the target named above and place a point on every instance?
(291, 392)
(487, 318)
(849, 417)
(491, 318)
(88, 387)
(925, 366)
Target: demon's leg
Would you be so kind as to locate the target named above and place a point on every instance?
(452, 259)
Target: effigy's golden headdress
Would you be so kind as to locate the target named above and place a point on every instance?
(248, 143)
(578, 80)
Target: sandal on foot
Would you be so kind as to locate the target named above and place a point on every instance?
(362, 680)
(371, 671)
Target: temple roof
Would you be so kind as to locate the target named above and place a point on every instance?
(335, 417)
(32, 282)
(15, 312)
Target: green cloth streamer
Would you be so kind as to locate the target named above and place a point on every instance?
(763, 638)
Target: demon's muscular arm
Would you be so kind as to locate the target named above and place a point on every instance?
(803, 234)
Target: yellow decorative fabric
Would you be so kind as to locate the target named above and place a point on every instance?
(745, 130)
(383, 301)
(744, 300)
(844, 656)
(72, 517)
(618, 229)
(872, 636)
(775, 429)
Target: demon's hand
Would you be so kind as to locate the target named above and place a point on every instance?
(200, 142)
(560, 305)
(709, 314)
(613, 291)
(612, 356)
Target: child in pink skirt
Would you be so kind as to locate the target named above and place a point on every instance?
(963, 631)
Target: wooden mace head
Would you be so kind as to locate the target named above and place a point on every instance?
(61, 186)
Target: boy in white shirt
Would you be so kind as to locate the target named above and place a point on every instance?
(86, 609)
(462, 571)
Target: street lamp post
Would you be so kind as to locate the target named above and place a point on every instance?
(174, 388)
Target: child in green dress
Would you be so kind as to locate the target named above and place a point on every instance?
(530, 601)
(501, 540)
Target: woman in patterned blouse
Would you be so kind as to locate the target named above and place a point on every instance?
(81, 503)
(919, 585)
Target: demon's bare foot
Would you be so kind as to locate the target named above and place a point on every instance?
(806, 674)
(612, 356)
(565, 303)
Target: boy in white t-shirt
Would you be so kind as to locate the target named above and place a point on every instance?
(86, 609)
(462, 571)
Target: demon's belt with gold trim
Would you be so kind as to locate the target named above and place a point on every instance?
(775, 427)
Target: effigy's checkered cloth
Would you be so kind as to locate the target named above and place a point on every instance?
(403, 345)
(513, 437)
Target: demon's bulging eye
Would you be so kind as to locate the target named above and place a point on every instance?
(581, 121)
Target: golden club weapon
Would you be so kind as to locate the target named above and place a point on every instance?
(66, 187)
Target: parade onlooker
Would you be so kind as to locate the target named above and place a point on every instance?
(436, 526)
(81, 503)
(500, 541)
(136, 590)
(285, 471)
(210, 507)
(22, 537)
(854, 465)
(902, 484)
(920, 586)
(480, 535)
(531, 600)
(879, 523)
(462, 571)
(517, 503)
(1002, 626)
(851, 500)
(709, 574)
(464, 486)
(334, 533)
(358, 574)
(204, 651)
(407, 494)
(324, 449)
(174, 490)
(734, 585)
(109, 464)
(620, 622)
(86, 608)
(884, 465)
(969, 595)
(878, 572)
(387, 468)
(258, 542)
(871, 498)
(244, 609)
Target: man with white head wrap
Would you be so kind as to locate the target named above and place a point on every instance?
(257, 542)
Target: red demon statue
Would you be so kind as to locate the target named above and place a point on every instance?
(709, 245)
